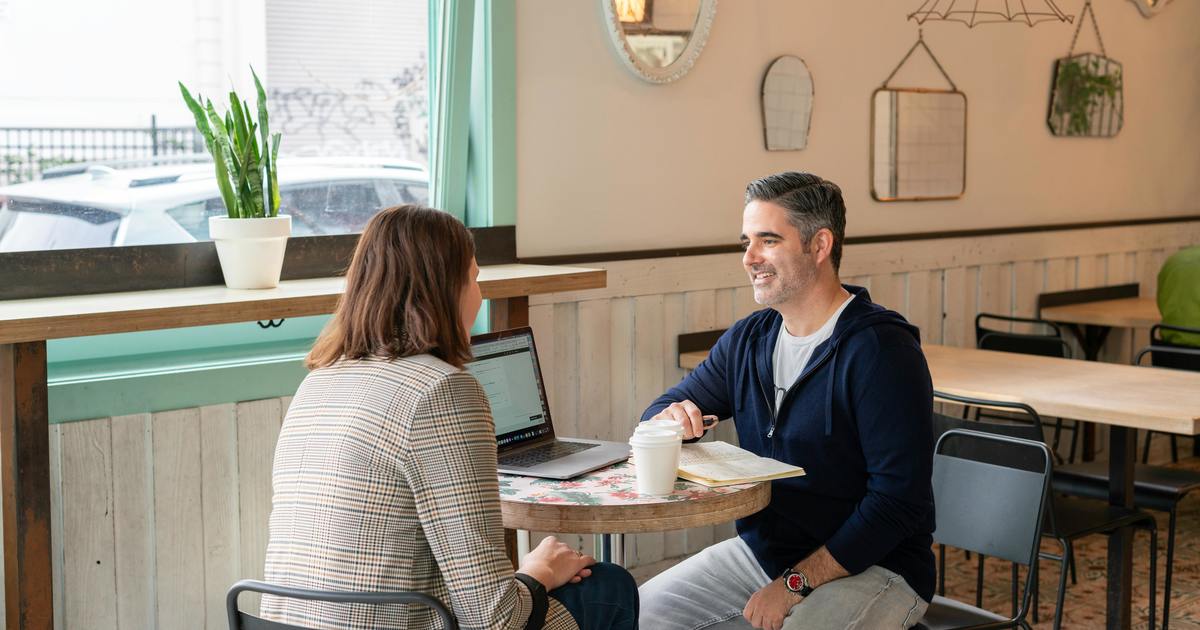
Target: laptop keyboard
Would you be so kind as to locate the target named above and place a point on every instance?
(543, 454)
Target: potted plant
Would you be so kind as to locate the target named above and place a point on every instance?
(251, 240)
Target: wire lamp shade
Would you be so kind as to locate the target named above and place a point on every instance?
(975, 12)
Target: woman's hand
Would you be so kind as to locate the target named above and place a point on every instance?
(554, 563)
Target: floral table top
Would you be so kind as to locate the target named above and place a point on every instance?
(615, 485)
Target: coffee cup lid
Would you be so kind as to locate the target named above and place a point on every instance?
(653, 436)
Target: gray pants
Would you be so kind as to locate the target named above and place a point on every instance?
(710, 590)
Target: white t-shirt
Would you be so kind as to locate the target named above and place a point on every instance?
(792, 353)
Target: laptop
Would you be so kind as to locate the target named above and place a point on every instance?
(506, 365)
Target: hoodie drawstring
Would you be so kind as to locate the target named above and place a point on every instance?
(829, 392)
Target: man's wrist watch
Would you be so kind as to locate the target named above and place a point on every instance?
(796, 582)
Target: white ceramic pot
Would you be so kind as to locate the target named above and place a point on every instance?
(251, 250)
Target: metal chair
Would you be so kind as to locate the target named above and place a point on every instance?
(239, 620)
(1047, 343)
(1158, 488)
(1168, 355)
(990, 508)
(1067, 519)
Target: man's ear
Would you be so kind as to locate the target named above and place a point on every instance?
(821, 245)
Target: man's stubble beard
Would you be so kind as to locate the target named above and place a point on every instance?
(803, 282)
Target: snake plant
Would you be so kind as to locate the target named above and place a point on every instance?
(244, 154)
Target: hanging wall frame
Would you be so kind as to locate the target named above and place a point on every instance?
(1087, 98)
(918, 139)
(787, 101)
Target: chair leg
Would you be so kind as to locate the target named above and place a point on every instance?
(1146, 448)
(1058, 427)
(1174, 451)
(1166, 618)
(1016, 577)
(1036, 584)
(1071, 563)
(979, 583)
(1074, 441)
(1062, 582)
(1153, 571)
(942, 570)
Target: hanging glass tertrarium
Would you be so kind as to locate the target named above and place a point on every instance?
(1087, 98)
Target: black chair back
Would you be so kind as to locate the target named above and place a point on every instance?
(239, 620)
(990, 508)
(1048, 343)
(1171, 355)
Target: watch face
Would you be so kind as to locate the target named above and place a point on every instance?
(794, 582)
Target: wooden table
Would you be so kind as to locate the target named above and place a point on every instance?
(25, 325)
(1090, 323)
(1124, 397)
(1134, 312)
(1099, 317)
(605, 502)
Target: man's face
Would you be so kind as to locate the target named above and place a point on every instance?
(776, 258)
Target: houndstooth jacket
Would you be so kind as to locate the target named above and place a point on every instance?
(385, 480)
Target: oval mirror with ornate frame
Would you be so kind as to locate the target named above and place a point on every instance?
(658, 40)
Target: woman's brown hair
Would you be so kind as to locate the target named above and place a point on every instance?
(403, 289)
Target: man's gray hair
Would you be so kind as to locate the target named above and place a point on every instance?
(812, 203)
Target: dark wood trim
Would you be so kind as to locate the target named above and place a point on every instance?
(55, 273)
(25, 468)
(693, 342)
(1079, 296)
(575, 259)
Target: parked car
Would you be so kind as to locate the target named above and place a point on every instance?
(99, 206)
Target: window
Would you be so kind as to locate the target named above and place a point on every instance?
(346, 86)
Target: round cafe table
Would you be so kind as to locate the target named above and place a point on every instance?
(606, 503)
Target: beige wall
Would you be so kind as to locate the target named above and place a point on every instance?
(606, 162)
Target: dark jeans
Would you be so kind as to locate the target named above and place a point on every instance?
(607, 600)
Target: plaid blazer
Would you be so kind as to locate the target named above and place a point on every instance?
(385, 480)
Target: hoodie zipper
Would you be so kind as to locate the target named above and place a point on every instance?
(808, 371)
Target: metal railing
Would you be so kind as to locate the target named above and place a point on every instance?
(27, 151)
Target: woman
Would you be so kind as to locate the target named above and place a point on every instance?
(385, 470)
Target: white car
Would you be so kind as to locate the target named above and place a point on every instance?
(100, 206)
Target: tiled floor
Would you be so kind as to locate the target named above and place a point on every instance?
(1084, 606)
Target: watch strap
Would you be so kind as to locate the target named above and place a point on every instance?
(541, 601)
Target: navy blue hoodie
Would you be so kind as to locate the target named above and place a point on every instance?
(858, 420)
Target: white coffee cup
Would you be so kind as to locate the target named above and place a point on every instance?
(655, 458)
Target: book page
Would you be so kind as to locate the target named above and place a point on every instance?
(724, 462)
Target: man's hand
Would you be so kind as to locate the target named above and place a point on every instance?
(768, 607)
(686, 413)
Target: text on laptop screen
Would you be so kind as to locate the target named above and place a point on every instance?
(506, 370)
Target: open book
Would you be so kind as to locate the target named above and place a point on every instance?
(723, 464)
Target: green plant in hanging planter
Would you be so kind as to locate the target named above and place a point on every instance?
(1083, 85)
(245, 154)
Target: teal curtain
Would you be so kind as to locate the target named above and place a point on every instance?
(451, 38)
(472, 109)
(491, 157)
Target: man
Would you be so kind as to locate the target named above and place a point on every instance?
(1179, 295)
(829, 381)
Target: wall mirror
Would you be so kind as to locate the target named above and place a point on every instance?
(659, 40)
(1150, 7)
(787, 100)
(918, 138)
(918, 144)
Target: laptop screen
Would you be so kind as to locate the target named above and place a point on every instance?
(507, 369)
